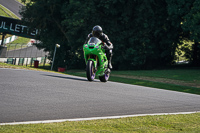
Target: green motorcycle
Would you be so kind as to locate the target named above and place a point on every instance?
(96, 60)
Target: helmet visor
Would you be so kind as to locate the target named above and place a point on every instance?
(96, 34)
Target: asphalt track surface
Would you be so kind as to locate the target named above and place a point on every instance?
(12, 5)
(27, 95)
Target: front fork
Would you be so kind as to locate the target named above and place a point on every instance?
(95, 62)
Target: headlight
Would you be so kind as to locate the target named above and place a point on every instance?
(86, 46)
(97, 47)
(91, 44)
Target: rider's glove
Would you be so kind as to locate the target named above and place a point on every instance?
(105, 46)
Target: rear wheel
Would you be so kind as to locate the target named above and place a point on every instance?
(90, 70)
(105, 77)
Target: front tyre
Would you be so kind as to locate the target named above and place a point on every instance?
(90, 70)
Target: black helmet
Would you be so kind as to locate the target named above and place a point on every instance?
(97, 31)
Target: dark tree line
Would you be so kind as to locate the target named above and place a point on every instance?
(145, 33)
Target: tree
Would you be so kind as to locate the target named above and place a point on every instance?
(186, 17)
(51, 16)
(145, 33)
(191, 25)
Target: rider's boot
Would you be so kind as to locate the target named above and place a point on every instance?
(110, 65)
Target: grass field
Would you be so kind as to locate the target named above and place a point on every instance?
(188, 123)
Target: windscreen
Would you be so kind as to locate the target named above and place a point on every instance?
(93, 41)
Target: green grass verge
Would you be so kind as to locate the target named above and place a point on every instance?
(40, 67)
(189, 123)
(185, 74)
(165, 86)
(21, 40)
(2, 12)
(19, 43)
(6, 13)
(21, 1)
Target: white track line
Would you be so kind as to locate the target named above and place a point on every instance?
(94, 118)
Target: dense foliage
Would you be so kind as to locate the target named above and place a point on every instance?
(145, 33)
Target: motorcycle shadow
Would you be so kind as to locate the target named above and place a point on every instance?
(68, 77)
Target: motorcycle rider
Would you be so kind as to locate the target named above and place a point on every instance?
(108, 46)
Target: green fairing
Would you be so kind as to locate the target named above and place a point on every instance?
(97, 55)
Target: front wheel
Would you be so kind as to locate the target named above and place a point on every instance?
(90, 70)
(105, 77)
